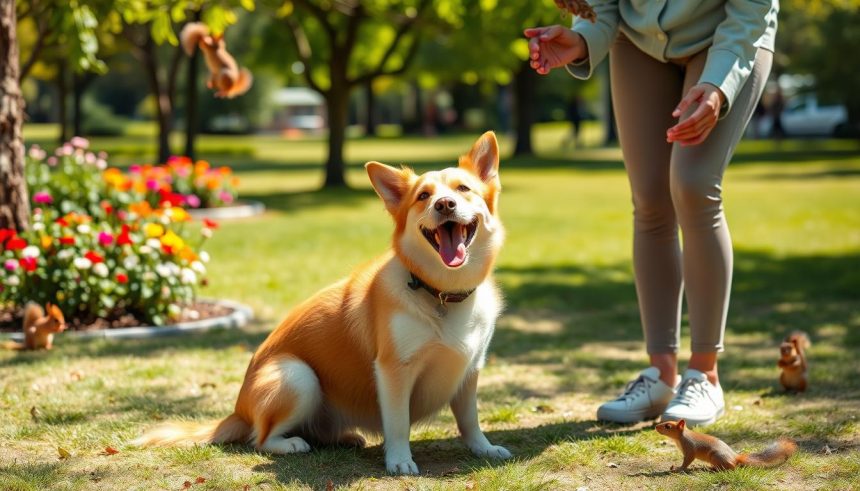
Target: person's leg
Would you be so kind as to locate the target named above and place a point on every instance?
(696, 184)
(644, 93)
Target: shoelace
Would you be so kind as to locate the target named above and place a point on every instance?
(691, 391)
(636, 387)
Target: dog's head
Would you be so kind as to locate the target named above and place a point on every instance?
(447, 228)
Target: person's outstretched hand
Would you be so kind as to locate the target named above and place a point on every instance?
(696, 127)
(554, 46)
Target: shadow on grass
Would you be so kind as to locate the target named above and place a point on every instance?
(323, 198)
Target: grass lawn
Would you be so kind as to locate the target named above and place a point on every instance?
(569, 339)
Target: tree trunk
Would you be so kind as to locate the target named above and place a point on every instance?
(78, 86)
(524, 93)
(62, 95)
(337, 104)
(370, 108)
(14, 201)
(163, 106)
(192, 125)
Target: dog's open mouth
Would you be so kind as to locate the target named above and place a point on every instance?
(451, 240)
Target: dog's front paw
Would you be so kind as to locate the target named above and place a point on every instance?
(402, 467)
(492, 452)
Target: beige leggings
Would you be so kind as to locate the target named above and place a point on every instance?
(676, 186)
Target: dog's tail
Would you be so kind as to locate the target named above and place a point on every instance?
(228, 430)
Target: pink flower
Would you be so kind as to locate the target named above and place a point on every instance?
(192, 200)
(151, 184)
(134, 169)
(79, 142)
(52, 161)
(37, 153)
(90, 158)
(105, 238)
(43, 198)
(225, 197)
(11, 264)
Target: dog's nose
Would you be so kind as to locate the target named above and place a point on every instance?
(445, 206)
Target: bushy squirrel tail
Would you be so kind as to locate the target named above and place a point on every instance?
(777, 453)
(32, 313)
(191, 35)
(801, 338)
(228, 430)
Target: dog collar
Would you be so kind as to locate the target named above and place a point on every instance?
(442, 296)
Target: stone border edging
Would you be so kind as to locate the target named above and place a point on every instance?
(239, 317)
(241, 209)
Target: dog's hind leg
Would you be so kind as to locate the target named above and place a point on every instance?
(285, 395)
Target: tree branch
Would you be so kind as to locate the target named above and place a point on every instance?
(321, 16)
(173, 72)
(34, 55)
(303, 48)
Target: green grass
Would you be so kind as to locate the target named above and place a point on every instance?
(568, 340)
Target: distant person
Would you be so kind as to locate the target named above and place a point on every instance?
(757, 118)
(574, 116)
(686, 78)
(777, 105)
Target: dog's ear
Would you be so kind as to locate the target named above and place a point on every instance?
(483, 159)
(682, 424)
(389, 183)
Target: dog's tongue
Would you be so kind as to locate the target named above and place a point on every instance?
(452, 244)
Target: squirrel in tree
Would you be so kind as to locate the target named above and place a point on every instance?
(715, 452)
(39, 327)
(225, 76)
(792, 361)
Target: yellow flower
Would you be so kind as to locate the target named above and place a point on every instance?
(46, 241)
(153, 230)
(172, 241)
(178, 214)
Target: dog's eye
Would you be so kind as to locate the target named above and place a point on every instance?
(463, 188)
(423, 196)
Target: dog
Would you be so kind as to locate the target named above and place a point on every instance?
(392, 344)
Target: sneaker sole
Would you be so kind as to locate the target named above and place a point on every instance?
(621, 416)
(694, 422)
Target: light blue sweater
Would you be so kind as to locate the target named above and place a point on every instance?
(731, 30)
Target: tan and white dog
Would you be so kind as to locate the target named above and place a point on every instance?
(392, 344)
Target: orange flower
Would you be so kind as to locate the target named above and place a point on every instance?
(46, 241)
(141, 208)
(224, 170)
(213, 183)
(188, 254)
(201, 167)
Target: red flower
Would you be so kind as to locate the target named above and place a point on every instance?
(67, 240)
(167, 249)
(210, 223)
(107, 207)
(5, 233)
(123, 238)
(94, 257)
(16, 243)
(122, 278)
(28, 263)
(62, 221)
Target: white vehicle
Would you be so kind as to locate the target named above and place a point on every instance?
(803, 116)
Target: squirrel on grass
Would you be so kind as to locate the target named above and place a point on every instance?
(792, 361)
(225, 76)
(715, 452)
(39, 327)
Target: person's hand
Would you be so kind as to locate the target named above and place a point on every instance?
(554, 46)
(696, 127)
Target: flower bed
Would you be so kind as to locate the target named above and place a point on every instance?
(103, 244)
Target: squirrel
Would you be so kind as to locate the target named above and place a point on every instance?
(792, 361)
(39, 327)
(224, 73)
(715, 452)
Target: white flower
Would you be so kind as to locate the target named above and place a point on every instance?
(145, 249)
(37, 225)
(83, 228)
(153, 244)
(165, 292)
(174, 309)
(30, 251)
(163, 270)
(148, 276)
(101, 269)
(65, 254)
(206, 232)
(82, 263)
(131, 262)
(204, 256)
(13, 281)
(188, 276)
(101, 164)
(198, 267)
(165, 219)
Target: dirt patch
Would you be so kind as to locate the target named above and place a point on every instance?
(11, 318)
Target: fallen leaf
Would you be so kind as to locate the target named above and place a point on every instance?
(64, 454)
(200, 480)
(210, 385)
(757, 402)
(35, 413)
(76, 375)
(329, 485)
(111, 451)
(543, 408)
(186, 485)
(612, 465)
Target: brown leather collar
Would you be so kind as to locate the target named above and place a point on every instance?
(443, 297)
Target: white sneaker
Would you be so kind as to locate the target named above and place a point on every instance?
(643, 398)
(699, 402)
